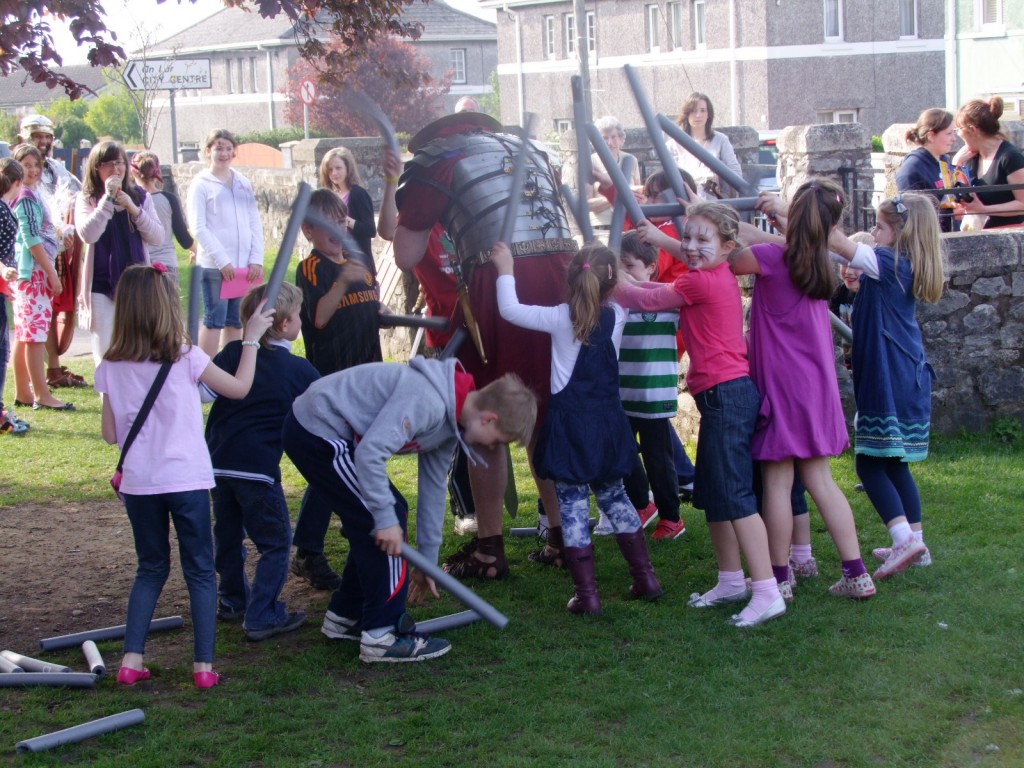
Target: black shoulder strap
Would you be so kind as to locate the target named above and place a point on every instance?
(147, 404)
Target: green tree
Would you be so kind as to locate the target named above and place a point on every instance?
(72, 130)
(114, 115)
(61, 109)
(9, 127)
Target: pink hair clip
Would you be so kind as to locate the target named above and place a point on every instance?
(161, 268)
(585, 265)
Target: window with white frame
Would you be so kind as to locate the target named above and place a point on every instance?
(833, 20)
(675, 24)
(549, 36)
(241, 75)
(699, 39)
(252, 73)
(227, 72)
(457, 61)
(837, 116)
(990, 12)
(591, 31)
(569, 21)
(562, 125)
(908, 18)
(653, 23)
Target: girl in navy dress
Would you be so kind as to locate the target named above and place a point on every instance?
(891, 373)
(586, 442)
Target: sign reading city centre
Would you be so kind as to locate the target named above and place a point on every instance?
(167, 74)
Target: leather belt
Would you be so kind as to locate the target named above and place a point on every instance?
(529, 248)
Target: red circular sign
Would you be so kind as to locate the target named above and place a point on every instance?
(307, 92)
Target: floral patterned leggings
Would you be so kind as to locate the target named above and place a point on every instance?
(574, 507)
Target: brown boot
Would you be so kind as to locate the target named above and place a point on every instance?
(584, 578)
(552, 552)
(480, 558)
(634, 550)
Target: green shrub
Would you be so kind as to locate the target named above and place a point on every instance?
(876, 144)
(278, 136)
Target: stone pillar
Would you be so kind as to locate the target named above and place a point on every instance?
(894, 140)
(745, 144)
(838, 151)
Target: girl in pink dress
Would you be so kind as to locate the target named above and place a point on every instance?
(792, 362)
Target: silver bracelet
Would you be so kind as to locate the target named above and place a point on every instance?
(250, 343)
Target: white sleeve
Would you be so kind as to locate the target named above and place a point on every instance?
(524, 315)
(866, 260)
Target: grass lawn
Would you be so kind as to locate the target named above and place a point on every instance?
(928, 673)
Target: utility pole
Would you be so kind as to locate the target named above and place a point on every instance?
(582, 52)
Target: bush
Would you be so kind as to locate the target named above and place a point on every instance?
(72, 130)
(279, 136)
(876, 144)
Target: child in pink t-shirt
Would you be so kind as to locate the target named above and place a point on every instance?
(167, 472)
(711, 321)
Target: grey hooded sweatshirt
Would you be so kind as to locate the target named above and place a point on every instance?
(388, 409)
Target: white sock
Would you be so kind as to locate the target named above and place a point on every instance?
(378, 633)
(901, 533)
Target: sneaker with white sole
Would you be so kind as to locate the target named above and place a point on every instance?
(667, 530)
(859, 587)
(883, 554)
(465, 526)
(647, 514)
(394, 647)
(900, 558)
(340, 627)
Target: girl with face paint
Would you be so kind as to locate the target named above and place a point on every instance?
(711, 321)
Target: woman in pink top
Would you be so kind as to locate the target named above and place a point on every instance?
(711, 321)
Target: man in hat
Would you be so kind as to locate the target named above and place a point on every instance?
(61, 187)
(463, 164)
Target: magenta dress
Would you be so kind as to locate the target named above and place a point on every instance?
(792, 363)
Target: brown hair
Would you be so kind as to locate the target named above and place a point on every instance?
(918, 239)
(643, 252)
(817, 207)
(147, 317)
(983, 116)
(593, 273)
(328, 204)
(658, 182)
(220, 133)
(289, 299)
(691, 104)
(23, 150)
(93, 186)
(513, 403)
(928, 122)
(11, 172)
(351, 170)
(146, 165)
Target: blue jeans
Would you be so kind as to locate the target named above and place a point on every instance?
(724, 484)
(250, 507)
(218, 312)
(150, 517)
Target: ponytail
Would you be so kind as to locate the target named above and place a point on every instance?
(593, 274)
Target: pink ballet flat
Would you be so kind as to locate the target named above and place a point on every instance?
(129, 676)
(206, 679)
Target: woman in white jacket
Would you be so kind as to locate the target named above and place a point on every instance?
(698, 119)
(117, 222)
(224, 218)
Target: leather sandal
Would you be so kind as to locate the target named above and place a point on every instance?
(479, 558)
(552, 552)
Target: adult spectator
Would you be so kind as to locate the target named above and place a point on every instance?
(452, 179)
(991, 160)
(697, 118)
(934, 134)
(614, 136)
(467, 104)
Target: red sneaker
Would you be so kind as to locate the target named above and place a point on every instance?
(669, 529)
(647, 514)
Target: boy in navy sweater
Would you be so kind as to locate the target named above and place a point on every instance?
(244, 437)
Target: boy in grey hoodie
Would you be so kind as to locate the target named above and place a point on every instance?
(341, 433)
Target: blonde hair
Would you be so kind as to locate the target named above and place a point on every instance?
(147, 317)
(817, 207)
(723, 216)
(513, 403)
(288, 301)
(863, 238)
(918, 239)
(351, 170)
(593, 273)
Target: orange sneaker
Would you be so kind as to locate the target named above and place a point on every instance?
(669, 529)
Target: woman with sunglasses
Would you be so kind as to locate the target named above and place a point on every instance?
(116, 221)
(934, 134)
(991, 160)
